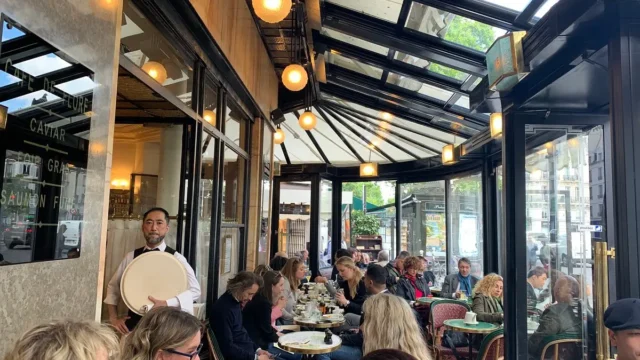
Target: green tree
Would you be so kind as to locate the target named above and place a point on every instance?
(374, 194)
(362, 224)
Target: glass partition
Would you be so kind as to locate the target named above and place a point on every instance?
(205, 202)
(326, 224)
(464, 208)
(294, 220)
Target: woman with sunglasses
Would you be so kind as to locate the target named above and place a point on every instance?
(256, 316)
(165, 333)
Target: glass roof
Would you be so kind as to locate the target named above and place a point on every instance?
(354, 65)
(543, 10)
(417, 86)
(426, 64)
(517, 5)
(388, 10)
(355, 41)
(453, 28)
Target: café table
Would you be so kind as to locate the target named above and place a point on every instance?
(327, 322)
(308, 343)
(480, 327)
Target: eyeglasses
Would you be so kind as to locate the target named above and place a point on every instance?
(190, 356)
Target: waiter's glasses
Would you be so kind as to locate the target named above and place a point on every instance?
(190, 356)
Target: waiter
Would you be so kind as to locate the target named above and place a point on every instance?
(154, 227)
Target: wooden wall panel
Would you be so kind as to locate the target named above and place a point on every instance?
(232, 26)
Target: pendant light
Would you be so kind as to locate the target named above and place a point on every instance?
(369, 169)
(495, 124)
(278, 136)
(294, 76)
(209, 116)
(308, 120)
(272, 11)
(155, 70)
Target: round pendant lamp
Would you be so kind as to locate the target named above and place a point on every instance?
(209, 116)
(307, 120)
(278, 136)
(294, 77)
(272, 11)
(155, 70)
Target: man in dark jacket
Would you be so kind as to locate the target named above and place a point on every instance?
(463, 282)
(395, 270)
(536, 278)
(232, 337)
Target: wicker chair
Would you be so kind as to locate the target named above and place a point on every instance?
(561, 347)
(492, 347)
(214, 349)
(442, 310)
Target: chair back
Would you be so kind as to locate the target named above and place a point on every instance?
(214, 348)
(442, 310)
(492, 347)
(562, 347)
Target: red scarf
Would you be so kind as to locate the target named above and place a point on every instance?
(412, 280)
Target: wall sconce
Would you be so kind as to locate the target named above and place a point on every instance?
(449, 154)
(505, 61)
(120, 183)
(4, 117)
(368, 169)
(495, 124)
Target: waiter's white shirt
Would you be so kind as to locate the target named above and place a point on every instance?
(184, 300)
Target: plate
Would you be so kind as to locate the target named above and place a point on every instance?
(333, 317)
(157, 274)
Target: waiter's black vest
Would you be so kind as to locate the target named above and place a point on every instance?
(133, 317)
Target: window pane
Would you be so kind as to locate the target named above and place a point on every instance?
(236, 125)
(233, 186)
(354, 41)
(326, 223)
(465, 216)
(210, 103)
(388, 10)
(451, 27)
(419, 87)
(142, 43)
(205, 201)
(294, 217)
(543, 10)
(229, 255)
(424, 226)
(263, 246)
(517, 5)
(354, 65)
(431, 66)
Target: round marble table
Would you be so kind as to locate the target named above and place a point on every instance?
(327, 322)
(308, 343)
(479, 328)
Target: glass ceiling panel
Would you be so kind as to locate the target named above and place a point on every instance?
(543, 10)
(417, 86)
(388, 10)
(8, 34)
(517, 5)
(354, 65)
(454, 126)
(42, 65)
(334, 149)
(354, 41)
(452, 28)
(299, 146)
(428, 65)
(463, 102)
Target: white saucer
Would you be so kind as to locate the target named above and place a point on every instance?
(471, 323)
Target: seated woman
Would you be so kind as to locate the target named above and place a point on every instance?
(293, 273)
(68, 340)
(352, 292)
(563, 317)
(412, 284)
(256, 315)
(164, 333)
(487, 299)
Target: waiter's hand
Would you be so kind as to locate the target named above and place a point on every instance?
(119, 324)
(157, 303)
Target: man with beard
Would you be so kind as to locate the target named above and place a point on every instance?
(155, 227)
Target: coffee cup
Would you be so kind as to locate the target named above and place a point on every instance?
(470, 318)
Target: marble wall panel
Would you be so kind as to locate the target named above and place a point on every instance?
(89, 32)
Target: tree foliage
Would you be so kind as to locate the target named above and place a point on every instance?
(374, 194)
(362, 224)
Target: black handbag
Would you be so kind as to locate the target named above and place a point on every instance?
(454, 340)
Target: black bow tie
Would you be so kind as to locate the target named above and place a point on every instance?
(148, 250)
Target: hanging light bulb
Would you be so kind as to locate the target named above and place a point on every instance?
(294, 77)
(495, 124)
(156, 71)
(386, 116)
(272, 11)
(209, 116)
(307, 120)
(278, 136)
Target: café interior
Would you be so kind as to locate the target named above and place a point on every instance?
(499, 132)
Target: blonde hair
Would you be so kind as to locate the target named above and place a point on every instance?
(398, 329)
(357, 274)
(162, 328)
(66, 340)
(289, 272)
(486, 284)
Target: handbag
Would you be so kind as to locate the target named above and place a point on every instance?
(453, 340)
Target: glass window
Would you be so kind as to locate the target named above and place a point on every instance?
(210, 103)
(424, 225)
(354, 65)
(229, 254)
(454, 125)
(517, 5)
(236, 125)
(463, 102)
(233, 186)
(431, 66)
(326, 223)
(294, 217)
(464, 209)
(147, 47)
(543, 10)
(417, 86)
(355, 41)
(388, 10)
(451, 27)
(267, 151)
(207, 177)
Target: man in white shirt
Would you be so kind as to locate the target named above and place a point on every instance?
(154, 227)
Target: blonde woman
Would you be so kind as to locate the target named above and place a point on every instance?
(66, 340)
(487, 299)
(352, 292)
(293, 272)
(165, 333)
(389, 323)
